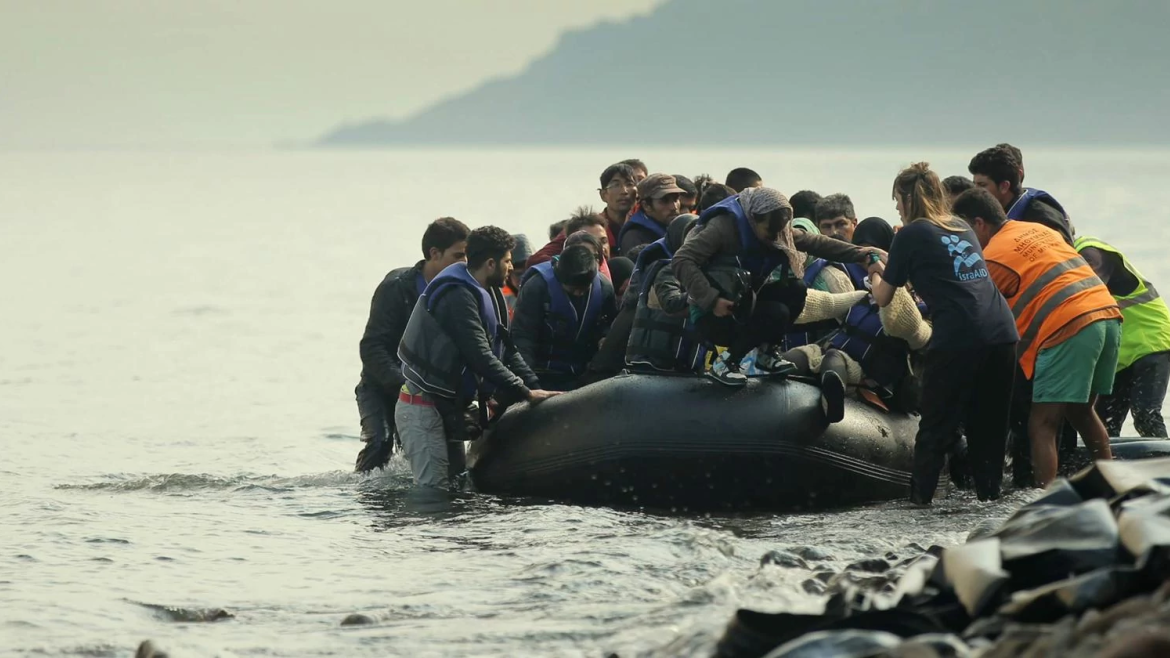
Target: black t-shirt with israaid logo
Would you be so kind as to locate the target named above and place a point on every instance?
(947, 270)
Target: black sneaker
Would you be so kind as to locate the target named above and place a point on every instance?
(833, 397)
(727, 373)
(774, 364)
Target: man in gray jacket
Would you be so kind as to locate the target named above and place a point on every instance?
(456, 349)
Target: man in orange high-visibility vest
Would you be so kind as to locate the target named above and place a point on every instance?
(1069, 324)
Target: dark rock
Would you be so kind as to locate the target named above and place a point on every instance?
(814, 586)
(812, 553)
(148, 650)
(1098, 623)
(825, 576)
(357, 619)
(891, 556)
(872, 565)
(1153, 642)
(783, 559)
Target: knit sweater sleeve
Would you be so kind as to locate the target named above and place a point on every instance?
(902, 319)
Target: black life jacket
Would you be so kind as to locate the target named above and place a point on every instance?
(569, 341)
(807, 334)
(658, 340)
(430, 358)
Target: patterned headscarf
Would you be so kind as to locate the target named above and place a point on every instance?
(758, 201)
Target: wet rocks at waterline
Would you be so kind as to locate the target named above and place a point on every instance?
(1084, 570)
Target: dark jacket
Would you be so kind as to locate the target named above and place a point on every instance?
(1109, 268)
(1039, 212)
(531, 332)
(390, 309)
(633, 235)
(457, 313)
(720, 237)
(660, 337)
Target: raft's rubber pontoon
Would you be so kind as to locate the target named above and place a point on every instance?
(688, 443)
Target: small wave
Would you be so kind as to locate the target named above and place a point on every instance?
(185, 615)
(188, 482)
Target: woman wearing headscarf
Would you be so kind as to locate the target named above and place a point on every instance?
(726, 267)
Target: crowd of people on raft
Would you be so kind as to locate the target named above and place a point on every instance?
(982, 312)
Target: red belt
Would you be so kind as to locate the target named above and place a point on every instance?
(419, 400)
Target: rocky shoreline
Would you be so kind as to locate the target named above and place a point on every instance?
(1084, 570)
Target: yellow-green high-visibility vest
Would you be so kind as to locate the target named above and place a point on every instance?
(1146, 326)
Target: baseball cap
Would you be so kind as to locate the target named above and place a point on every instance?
(656, 186)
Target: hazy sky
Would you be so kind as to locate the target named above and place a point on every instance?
(156, 73)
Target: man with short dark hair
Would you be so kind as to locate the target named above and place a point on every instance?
(741, 178)
(659, 199)
(583, 219)
(564, 310)
(1017, 154)
(456, 350)
(1069, 325)
(618, 192)
(956, 185)
(804, 204)
(444, 243)
(713, 194)
(639, 167)
(836, 218)
(555, 228)
(998, 171)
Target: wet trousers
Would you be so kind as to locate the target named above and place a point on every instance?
(1139, 389)
(434, 460)
(376, 410)
(972, 388)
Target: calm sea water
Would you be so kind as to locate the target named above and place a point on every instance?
(178, 350)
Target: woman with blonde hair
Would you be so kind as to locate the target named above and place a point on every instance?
(970, 361)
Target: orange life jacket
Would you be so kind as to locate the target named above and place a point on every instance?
(510, 295)
(1056, 285)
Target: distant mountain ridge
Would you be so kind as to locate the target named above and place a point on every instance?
(742, 72)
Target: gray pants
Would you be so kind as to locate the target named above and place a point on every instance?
(434, 461)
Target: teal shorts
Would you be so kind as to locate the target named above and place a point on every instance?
(1080, 367)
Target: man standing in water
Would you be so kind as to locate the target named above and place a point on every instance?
(1069, 325)
(443, 243)
(455, 350)
(1143, 366)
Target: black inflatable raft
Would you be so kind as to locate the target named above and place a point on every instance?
(686, 443)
